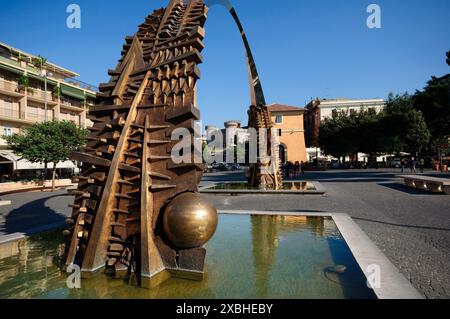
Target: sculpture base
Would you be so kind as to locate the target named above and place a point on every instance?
(155, 280)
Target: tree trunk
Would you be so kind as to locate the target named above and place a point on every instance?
(44, 176)
(53, 176)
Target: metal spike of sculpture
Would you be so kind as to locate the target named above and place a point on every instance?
(135, 210)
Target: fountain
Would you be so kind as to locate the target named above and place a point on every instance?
(137, 214)
(135, 210)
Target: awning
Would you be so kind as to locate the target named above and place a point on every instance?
(92, 96)
(10, 69)
(21, 164)
(73, 92)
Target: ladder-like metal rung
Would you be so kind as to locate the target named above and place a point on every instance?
(156, 142)
(122, 181)
(120, 211)
(159, 175)
(162, 187)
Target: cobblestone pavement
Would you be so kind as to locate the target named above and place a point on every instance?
(411, 227)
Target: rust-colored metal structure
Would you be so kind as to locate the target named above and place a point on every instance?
(128, 180)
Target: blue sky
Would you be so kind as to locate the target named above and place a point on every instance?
(303, 49)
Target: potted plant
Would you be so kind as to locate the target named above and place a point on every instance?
(22, 58)
(39, 61)
(56, 93)
(24, 83)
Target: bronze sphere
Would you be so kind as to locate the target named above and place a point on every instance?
(189, 221)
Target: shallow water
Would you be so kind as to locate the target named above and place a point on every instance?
(249, 257)
(294, 186)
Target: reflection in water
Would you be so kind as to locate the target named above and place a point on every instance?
(27, 266)
(267, 231)
(265, 242)
(249, 257)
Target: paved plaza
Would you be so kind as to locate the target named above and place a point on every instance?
(411, 227)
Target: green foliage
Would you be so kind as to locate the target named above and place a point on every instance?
(434, 103)
(24, 81)
(39, 61)
(48, 142)
(22, 58)
(399, 128)
(57, 92)
(336, 137)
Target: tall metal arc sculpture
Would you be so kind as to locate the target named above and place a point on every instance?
(135, 210)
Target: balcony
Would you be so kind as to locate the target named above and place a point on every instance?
(37, 118)
(10, 89)
(72, 105)
(39, 96)
(13, 115)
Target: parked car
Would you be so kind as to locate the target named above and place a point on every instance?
(221, 166)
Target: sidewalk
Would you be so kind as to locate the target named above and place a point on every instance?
(34, 212)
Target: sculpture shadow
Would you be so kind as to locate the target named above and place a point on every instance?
(34, 217)
(409, 190)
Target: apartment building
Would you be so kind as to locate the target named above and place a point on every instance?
(320, 109)
(31, 93)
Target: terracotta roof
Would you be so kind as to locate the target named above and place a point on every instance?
(284, 108)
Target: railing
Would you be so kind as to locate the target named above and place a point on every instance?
(12, 114)
(33, 117)
(39, 94)
(82, 84)
(9, 86)
(72, 103)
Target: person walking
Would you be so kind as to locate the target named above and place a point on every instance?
(297, 169)
(422, 165)
(402, 165)
(302, 168)
(413, 165)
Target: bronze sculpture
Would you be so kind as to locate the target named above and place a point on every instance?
(135, 210)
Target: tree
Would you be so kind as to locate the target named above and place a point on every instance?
(434, 103)
(405, 126)
(399, 128)
(337, 136)
(48, 142)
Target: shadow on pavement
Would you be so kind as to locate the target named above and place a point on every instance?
(409, 190)
(31, 216)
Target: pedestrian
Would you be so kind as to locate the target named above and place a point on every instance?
(289, 169)
(422, 165)
(302, 168)
(413, 165)
(297, 169)
(402, 165)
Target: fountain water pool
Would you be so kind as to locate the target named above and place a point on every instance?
(287, 187)
(251, 256)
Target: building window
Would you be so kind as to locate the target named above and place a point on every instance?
(7, 131)
(279, 119)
